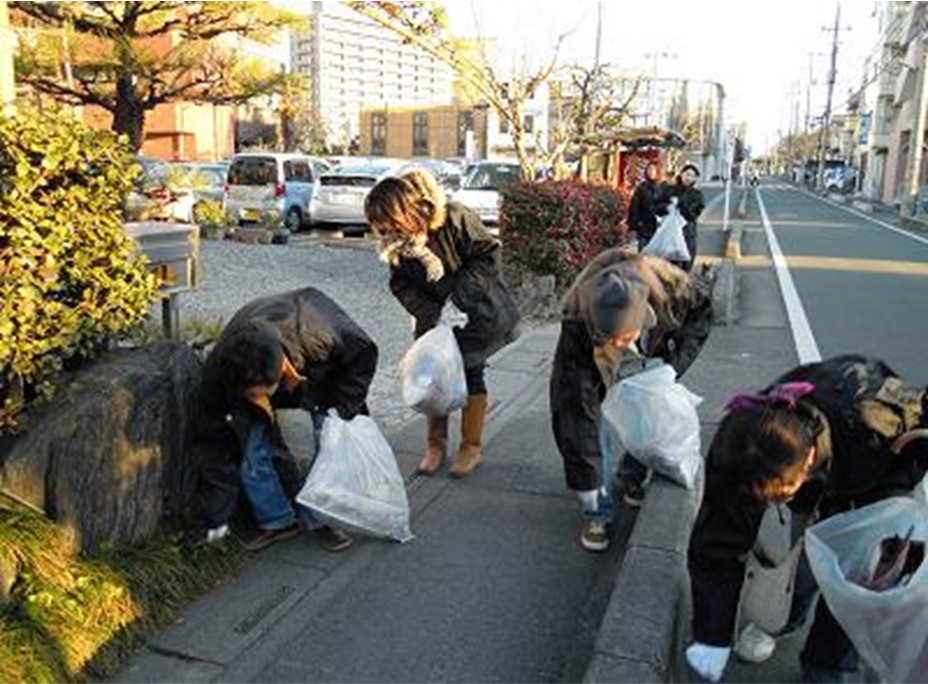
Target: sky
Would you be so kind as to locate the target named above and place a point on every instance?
(758, 49)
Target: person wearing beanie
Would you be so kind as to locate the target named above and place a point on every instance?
(690, 202)
(621, 312)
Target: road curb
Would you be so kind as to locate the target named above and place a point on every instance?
(638, 633)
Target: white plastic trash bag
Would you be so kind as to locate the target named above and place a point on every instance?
(432, 376)
(668, 241)
(888, 628)
(654, 418)
(355, 479)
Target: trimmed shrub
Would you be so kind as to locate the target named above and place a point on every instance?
(556, 227)
(69, 280)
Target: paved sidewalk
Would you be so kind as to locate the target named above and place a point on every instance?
(495, 587)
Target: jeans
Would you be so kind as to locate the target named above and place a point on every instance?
(269, 503)
(628, 468)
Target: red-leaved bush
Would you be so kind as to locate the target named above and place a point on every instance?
(556, 227)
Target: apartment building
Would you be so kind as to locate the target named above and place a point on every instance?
(352, 63)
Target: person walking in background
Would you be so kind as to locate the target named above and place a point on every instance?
(690, 203)
(439, 251)
(642, 216)
(825, 438)
(297, 349)
(621, 311)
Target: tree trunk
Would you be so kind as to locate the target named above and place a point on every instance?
(129, 113)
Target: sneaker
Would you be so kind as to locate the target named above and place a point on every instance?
(267, 537)
(594, 537)
(755, 645)
(332, 539)
(633, 491)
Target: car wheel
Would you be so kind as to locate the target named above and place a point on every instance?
(294, 220)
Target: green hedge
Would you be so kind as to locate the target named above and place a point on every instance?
(556, 227)
(68, 280)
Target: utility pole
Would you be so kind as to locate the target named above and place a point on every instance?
(825, 131)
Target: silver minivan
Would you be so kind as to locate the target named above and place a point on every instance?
(260, 183)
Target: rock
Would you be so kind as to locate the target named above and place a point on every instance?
(110, 455)
(9, 571)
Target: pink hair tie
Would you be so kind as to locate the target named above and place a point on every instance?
(787, 395)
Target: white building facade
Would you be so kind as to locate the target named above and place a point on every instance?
(352, 63)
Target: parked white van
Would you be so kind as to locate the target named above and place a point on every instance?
(259, 183)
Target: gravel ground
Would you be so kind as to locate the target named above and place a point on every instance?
(232, 274)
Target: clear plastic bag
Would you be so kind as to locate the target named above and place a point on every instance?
(355, 479)
(668, 241)
(654, 418)
(888, 628)
(431, 373)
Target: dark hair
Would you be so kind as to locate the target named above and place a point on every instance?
(689, 167)
(754, 448)
(251, 356)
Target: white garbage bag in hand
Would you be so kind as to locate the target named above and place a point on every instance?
(888, 628)
(355, 480)
(432, 371)
(654, 417)
(668, 240)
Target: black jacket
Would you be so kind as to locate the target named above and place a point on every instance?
(578, 382)
(642, 217)
(324, 344)
(470, 256)
(861, 406)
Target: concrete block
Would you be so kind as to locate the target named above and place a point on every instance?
(836, 197)
(640, 621)
(220, 626)
(666, 517)
(860, 205)
(733, 241)
(604, 668)
(724, 293)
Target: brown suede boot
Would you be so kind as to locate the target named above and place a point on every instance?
(435, 446)
(470, 455)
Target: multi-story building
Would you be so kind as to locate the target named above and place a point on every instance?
(877, 157)
(436, 132)
(351, 63)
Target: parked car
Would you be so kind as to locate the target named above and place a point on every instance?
(338, 198)
(480, 189)
(261, 183)
(161, 192)
(206, 180)
(448, 175)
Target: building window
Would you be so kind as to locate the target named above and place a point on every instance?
(378, 133)
(503, 125)
(420, 134)
(465, 124)
(528, 123)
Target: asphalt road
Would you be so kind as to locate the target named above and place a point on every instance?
(862, 285)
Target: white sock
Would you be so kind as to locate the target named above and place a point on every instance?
(589, 500)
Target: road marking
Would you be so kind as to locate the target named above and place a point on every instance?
(806, 347)
(860, 214)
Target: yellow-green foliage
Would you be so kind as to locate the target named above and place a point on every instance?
(210, 214)
(71, 618)
(68, 279)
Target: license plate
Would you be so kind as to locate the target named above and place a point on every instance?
(344, 198)
(251, 214)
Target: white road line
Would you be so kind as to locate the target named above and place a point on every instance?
(882, 224)
(806, 347)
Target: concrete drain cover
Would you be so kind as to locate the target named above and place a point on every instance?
(265, 608)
